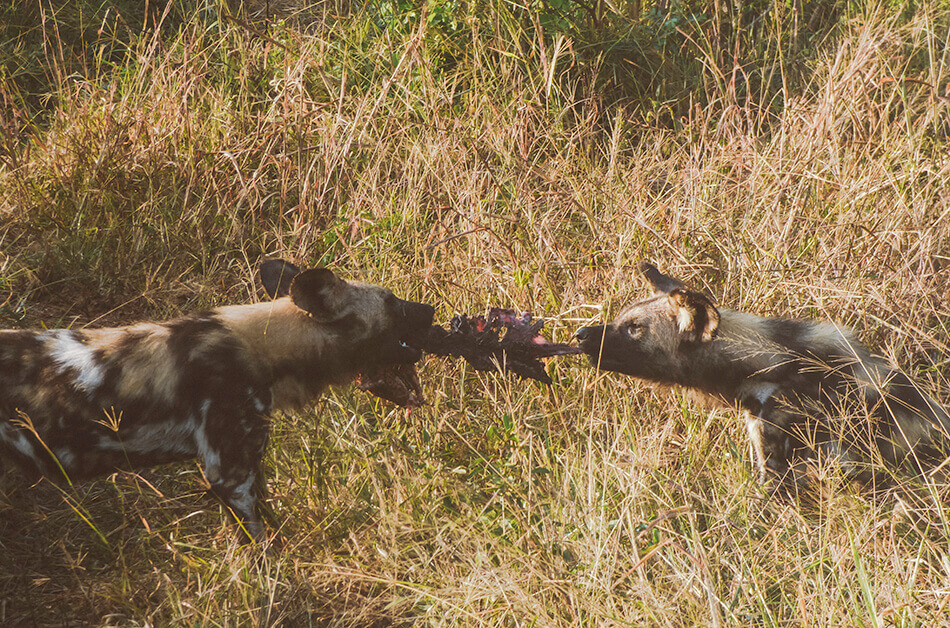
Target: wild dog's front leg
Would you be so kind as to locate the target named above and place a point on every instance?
(769, 443)
(753, 426)
(232, 450)
(769, 426)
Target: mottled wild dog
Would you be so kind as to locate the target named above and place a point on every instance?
(809, 390)
(75, 404)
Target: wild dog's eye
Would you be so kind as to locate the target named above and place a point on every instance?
(635, 330)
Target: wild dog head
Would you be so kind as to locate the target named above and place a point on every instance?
(651, 338)
(376, 327)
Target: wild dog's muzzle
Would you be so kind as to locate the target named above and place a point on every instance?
(591, 339)
(599, 345)
(397, 380)
(413, 323)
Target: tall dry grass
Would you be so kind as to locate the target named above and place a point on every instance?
(504, 179)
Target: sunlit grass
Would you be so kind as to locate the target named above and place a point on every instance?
(159, 186)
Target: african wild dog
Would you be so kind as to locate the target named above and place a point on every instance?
(82, 403)
(809, 390)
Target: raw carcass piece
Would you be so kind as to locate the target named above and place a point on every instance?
(501, 341)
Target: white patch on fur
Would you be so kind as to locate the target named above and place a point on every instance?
(258, 404)
(763, 392)
(17, 439)
(243, 501)
(753, 426)
(66, 458)
(760, 391)
(243, 495)
(70, 353)
(210, 456)
(169, 436)
(684, 319)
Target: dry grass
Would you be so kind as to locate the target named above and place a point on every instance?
(498, 179)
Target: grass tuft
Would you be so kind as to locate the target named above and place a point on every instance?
(475, 156)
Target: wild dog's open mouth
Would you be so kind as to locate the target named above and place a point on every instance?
(408, 351)
(396, 379)
(398, 383)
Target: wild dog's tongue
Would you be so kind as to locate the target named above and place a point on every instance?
(398, 383)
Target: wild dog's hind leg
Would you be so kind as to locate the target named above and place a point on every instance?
(232, 449)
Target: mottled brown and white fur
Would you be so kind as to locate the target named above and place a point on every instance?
(75, 404)
(809, 390)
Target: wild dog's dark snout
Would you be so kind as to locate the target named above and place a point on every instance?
(593, 342)
(416, 315)
(590, 335)
(414, 321)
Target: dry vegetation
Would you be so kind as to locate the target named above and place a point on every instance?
(510, 169)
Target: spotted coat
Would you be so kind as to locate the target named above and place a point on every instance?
(75, 404)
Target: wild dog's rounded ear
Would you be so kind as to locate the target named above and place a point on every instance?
(318, 291)
(696, 316)
(659, 281)
(276, 275)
